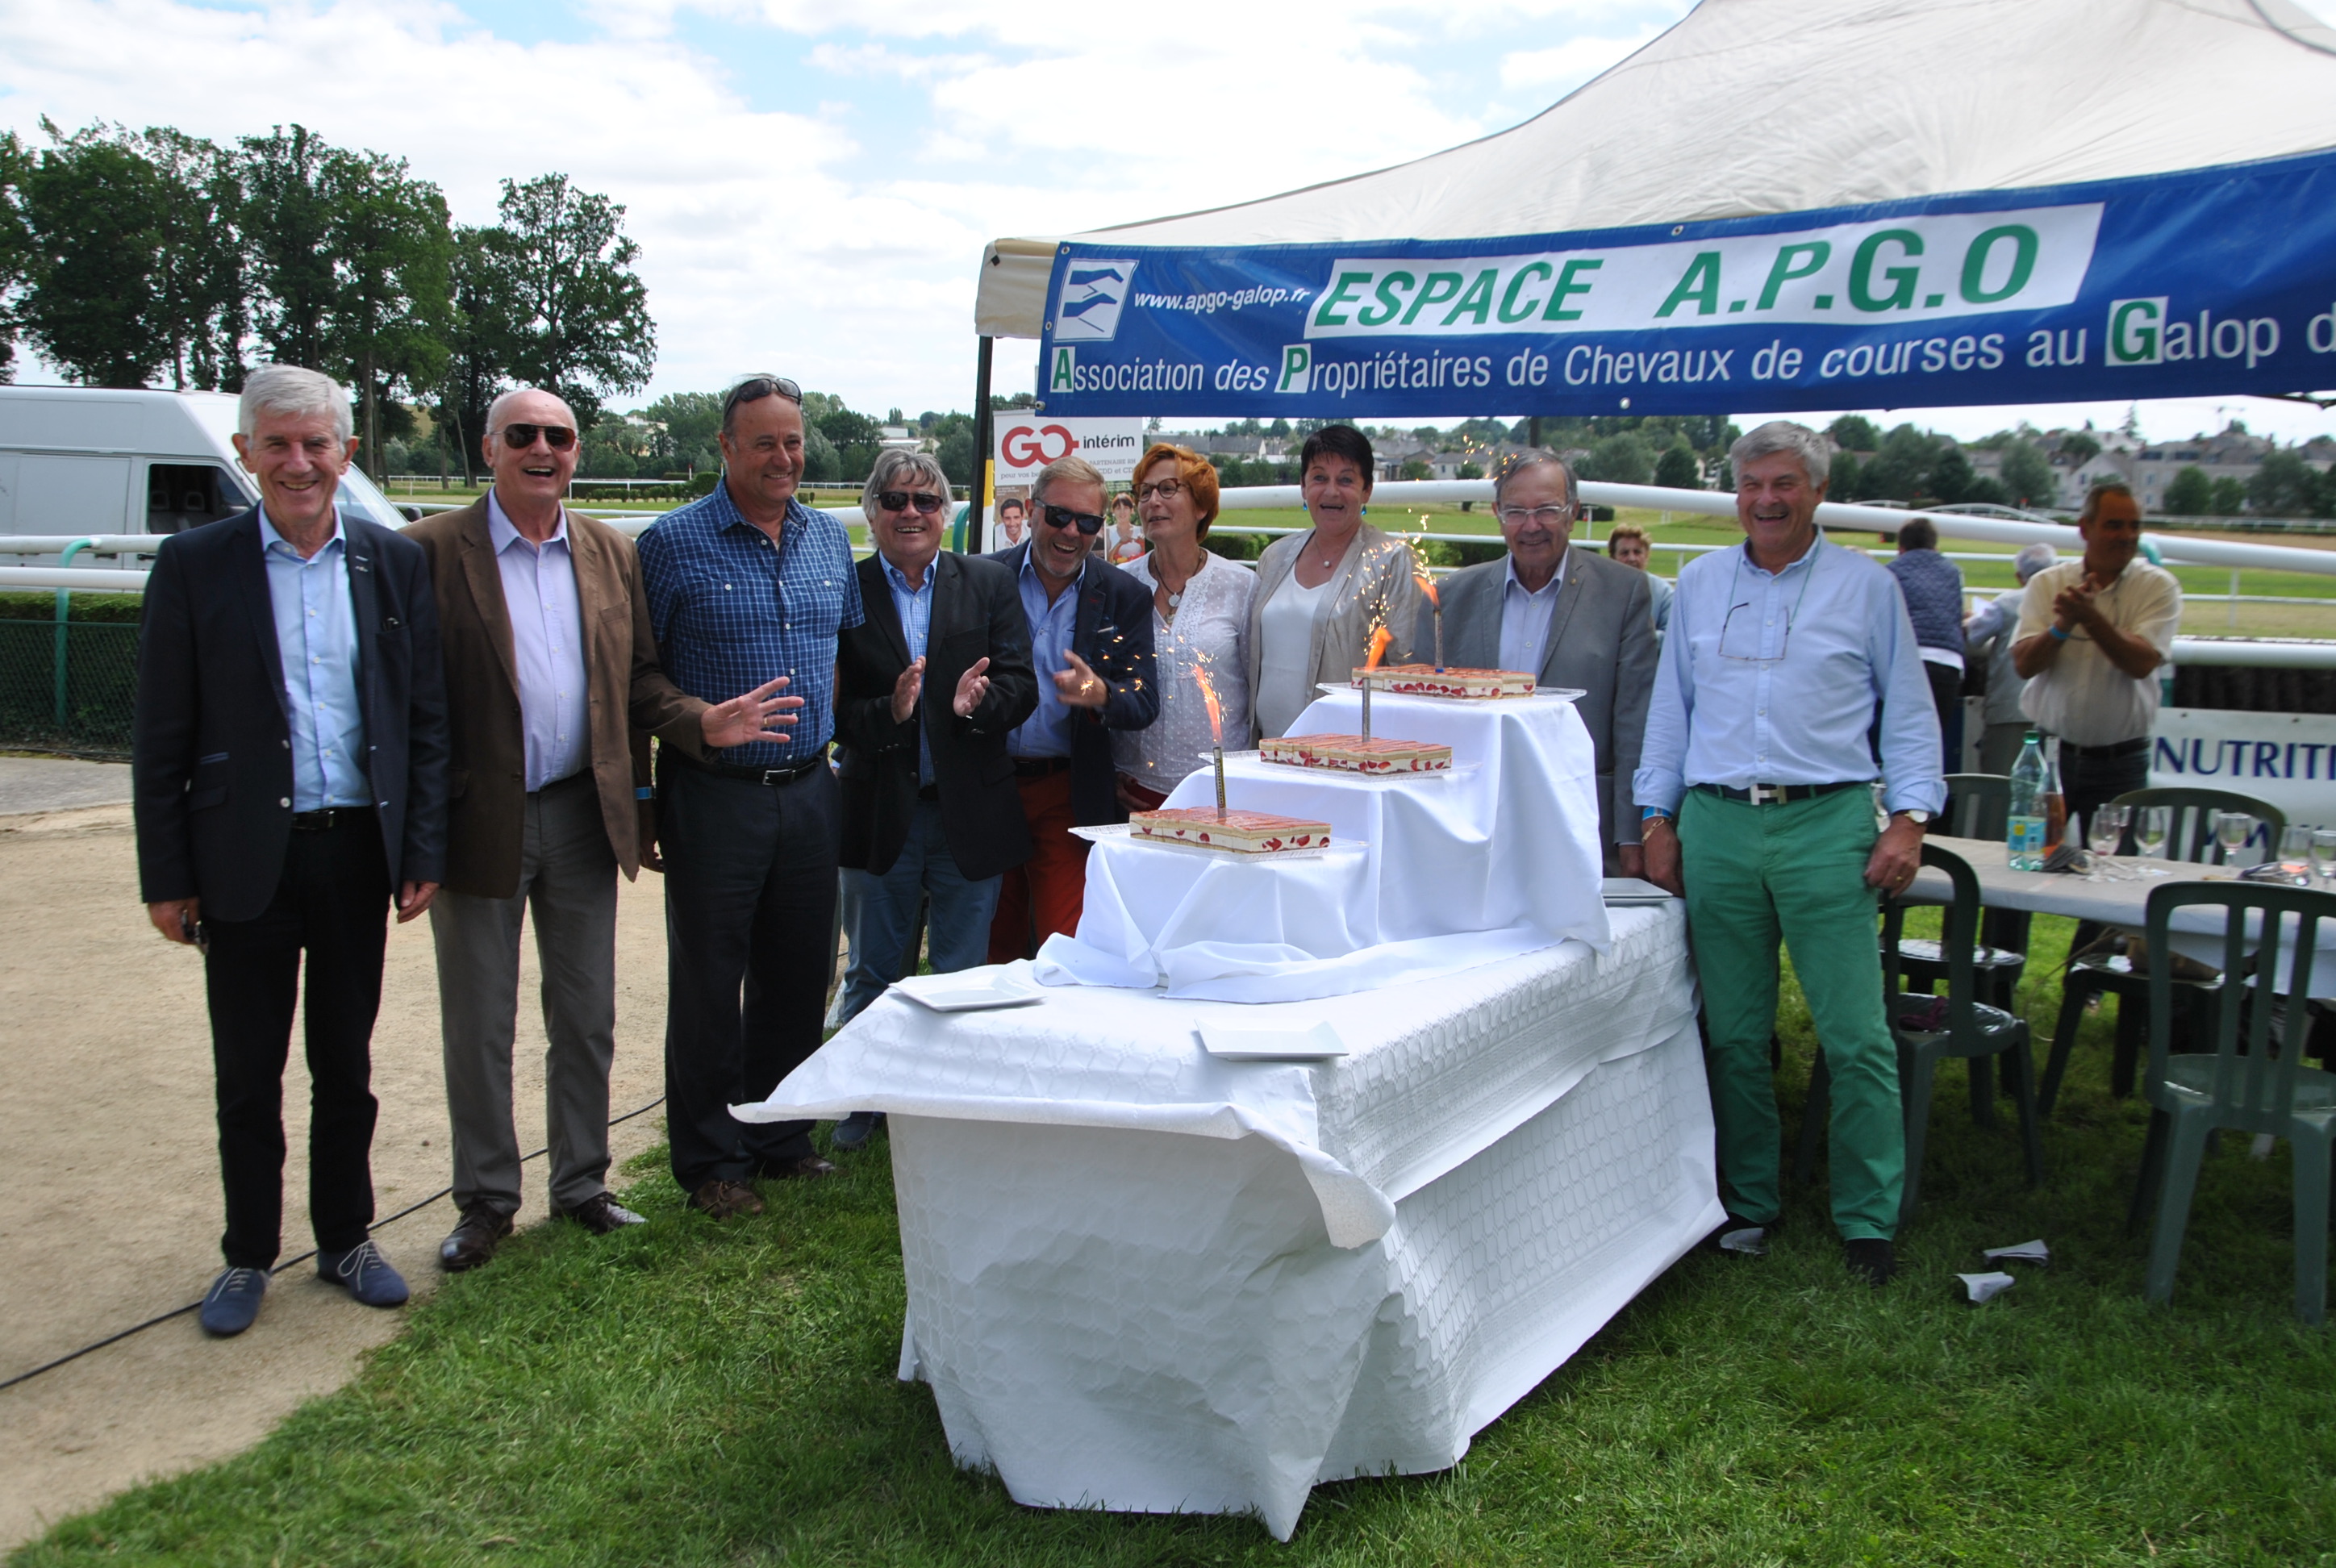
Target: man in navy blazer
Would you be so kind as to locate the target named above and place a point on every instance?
(1091, 644)
(290, 773)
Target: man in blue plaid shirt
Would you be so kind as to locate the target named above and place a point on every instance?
(746, 587)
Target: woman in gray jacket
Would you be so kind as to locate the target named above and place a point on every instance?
(1321, 594)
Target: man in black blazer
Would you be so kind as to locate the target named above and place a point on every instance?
(930, 685)
(289, 775)
(1091, 644)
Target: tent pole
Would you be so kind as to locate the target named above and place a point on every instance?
(1532, 432)
(983, 440)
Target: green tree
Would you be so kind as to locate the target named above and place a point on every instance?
(1676, 468)
(1416, 468)
(1951, 478)
(98, 215)
(2189, 494)
(287, 229)
(200, 273)
(823, 463)
(2079, 447)
(478, 333)
(392, 258)
(1904, 461)
(2228, 497)
(2028, 475)
(687, 426)
(1855, 432)
(1621, 458)
(2284, 486)
(1469, 471)
(15, 247)
(580, 323)
(955, 454)
(1845, 481)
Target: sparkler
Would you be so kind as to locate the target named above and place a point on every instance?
(1216, 724)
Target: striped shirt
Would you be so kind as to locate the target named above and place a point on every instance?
(731, 610)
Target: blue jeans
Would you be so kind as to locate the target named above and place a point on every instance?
(880, 912)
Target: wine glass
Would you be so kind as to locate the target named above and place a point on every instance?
(2156, 821)
(2295, 855)
(2108, 828)
(2232, 830)
(2323, 855)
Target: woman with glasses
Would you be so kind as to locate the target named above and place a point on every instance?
(1200, 626)
(1321, 594)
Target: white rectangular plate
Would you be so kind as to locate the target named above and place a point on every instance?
(955, 994)
(1125, 831)
(1458, 770)
(1625, 891)
(1554, 693)
(1320, 1044)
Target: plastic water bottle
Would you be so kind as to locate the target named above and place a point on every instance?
(2024, 833)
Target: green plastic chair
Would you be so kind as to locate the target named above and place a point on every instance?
(2254, 1081)
(1974, 1030)
(2189, 837)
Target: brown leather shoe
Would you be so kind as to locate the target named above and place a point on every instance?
(809, 1166)
(474, 1238)
(601, 1214)
(720, 1200)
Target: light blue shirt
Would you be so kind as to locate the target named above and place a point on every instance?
(316, 634)
(547, 626)
(1772, 680)
(1526, 618)
(1048, 731)
(914, 606)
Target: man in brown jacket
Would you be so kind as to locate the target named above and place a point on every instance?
(554, 685)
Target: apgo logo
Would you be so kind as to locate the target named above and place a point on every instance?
(1094, 292)
(2137, 334)
(1025, 447)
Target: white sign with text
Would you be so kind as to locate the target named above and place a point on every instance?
(2284, 759)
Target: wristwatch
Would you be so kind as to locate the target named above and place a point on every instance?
(1914, 815)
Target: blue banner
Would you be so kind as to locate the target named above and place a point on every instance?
(2211, 281)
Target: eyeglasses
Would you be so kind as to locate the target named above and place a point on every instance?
(755, 388)
(1165, 489)
(925, 500)
(519, 437)
(1547, 516)
(1089, 523)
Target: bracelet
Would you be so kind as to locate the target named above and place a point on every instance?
(2057, 635)
(645, 794)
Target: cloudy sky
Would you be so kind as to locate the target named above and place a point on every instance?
(812, 182)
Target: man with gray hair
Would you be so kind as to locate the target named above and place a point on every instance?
(1090, 626)
(1755, 782)
(1567, 618)
(930, 685)
(1988, 634)
(553, 687)
(288, 787)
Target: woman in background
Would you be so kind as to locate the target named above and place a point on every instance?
(1200, 624)
(1319, 594)
(1125, 546)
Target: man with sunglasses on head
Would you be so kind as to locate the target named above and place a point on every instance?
(553, 687)
(748, 588)
(1568, 617)
(1755, 782)
(931, 684)
(1091, 644)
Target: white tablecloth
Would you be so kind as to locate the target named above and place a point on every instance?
(1495, 859)
(1143, 1278)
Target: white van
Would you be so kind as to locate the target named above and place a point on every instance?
(81, 460)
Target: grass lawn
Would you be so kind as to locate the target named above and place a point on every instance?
(689, 1393)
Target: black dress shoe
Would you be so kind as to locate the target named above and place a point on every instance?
(1745, 1238)
(803, 1169)
(601, 1214)
(474, 1238)
(722, 1200)
(1872, 1260)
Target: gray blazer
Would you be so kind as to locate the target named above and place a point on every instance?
(1373, 581)
(1601, 640)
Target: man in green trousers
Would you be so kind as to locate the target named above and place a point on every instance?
(1754, 786)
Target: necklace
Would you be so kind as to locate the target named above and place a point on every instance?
(1177, 596)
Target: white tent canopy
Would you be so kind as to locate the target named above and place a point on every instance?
(1754, 107)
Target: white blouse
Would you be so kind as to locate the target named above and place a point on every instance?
(1212, 623)
(1288, 627)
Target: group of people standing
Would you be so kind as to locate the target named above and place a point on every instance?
(335, 719)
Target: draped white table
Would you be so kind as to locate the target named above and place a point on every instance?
(1497, 858)
(1140, 1278)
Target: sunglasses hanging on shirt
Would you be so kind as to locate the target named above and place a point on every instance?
(924, 501)
(519, 437)
(1089, 523)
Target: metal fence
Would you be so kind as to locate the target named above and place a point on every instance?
(67, 688)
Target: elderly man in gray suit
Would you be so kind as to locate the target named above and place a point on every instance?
(1570, 618)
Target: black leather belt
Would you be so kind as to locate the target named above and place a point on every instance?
(2116, 748)
(1039, 767)
(331, 818)
(1779, 795)
(768, 776)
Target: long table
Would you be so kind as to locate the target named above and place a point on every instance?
(1142, 1278)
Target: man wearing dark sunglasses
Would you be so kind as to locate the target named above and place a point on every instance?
(746, 587)
(1091, 644)
(552, 684)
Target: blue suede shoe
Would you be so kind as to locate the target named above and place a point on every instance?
(366, 1274)
(855, 1130)
(233, 1302)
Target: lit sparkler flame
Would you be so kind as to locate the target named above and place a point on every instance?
(1209, 700)
(1380, 640)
